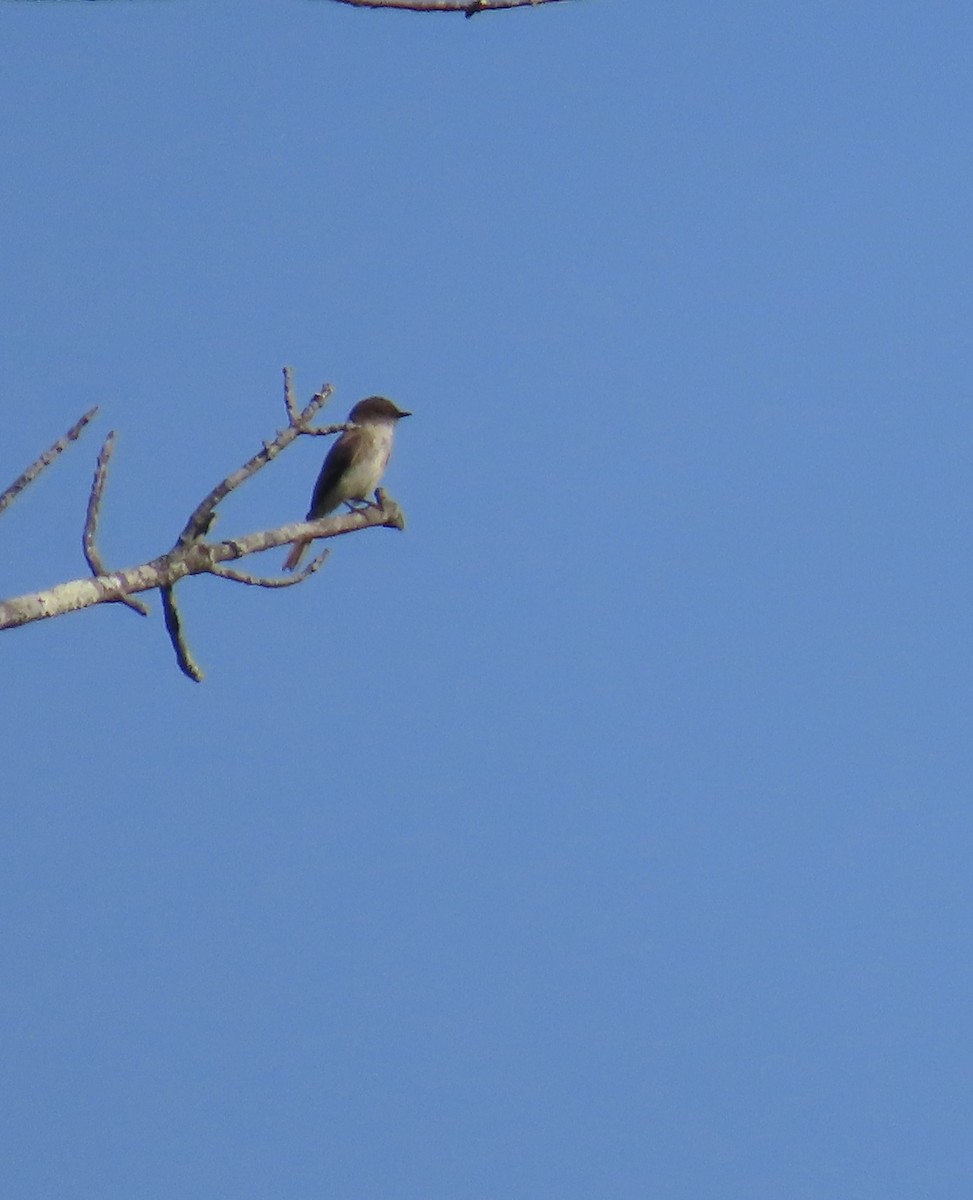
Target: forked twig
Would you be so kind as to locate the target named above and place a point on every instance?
(202, 517)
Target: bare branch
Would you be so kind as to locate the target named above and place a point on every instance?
(187, 664)
(183, 561)
(199, 523)
(45, 459)
(278, 581)
(290, 403)
(92, 557)
(325, 430)
(468, 7)
(190, 555)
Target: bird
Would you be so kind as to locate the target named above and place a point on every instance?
(355, 464)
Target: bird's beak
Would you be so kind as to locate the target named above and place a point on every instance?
(403, 413)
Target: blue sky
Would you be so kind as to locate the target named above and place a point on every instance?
(607, 833)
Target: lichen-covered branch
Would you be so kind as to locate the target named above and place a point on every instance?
(184, 561)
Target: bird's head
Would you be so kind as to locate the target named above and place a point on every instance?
(376, 409)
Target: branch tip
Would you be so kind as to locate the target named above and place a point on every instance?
(89, 546)
(8, 496)
(290, 403)
(187, 664)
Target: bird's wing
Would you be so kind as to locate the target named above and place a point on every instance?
(327, 496)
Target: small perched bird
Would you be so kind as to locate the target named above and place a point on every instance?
(354, 465)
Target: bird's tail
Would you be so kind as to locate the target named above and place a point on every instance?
(295, 556)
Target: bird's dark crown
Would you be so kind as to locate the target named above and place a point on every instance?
(376, 408)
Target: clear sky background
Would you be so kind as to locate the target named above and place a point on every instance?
(608, 833)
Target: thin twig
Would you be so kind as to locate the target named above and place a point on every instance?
(276, 581)
(290, 403)
(91, 554)
(187, 664)
(202, 517)
(469, 7)
(45, 459)
(177, 564)
(325, 430)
